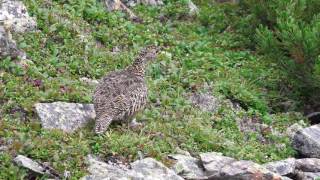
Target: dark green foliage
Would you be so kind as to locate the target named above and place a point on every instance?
(288, 32)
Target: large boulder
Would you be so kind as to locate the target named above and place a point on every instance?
(221, 167)
(307, 141)
(293, 129)
(8, 47)
(100, 170)
(308, 176)
(283, 167)
(246, 170)
(64, 116)
(15, 17)
(213, 162)
(145, 169)
(308, 165)
(188, 167)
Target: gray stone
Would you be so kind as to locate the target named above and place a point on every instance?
(101, 170)
(193, 9)
(146, 169)
(307, 141)
(8, 47)
(308, 176)
(150, 169)
(29, 164)
(188, 167)
(64, 116)
(293, 129)
(308, 165)
(225, 168)
(182, 152)
(205, 101)
(213, 162)
(15, 17)
(246, 170)
(283, 167)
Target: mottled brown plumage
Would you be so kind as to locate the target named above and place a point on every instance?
(121, 94)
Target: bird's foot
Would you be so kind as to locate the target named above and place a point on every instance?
(134, 124)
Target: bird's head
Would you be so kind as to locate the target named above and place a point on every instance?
(148, 53)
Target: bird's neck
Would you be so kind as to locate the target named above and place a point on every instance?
(138, 67)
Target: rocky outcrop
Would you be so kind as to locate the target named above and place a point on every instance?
(211, 165)
(218, 166)
(308, 165)
(293, 129)
(307, 141)
(8, 47)
(64, 116)
(307, 168)
(13, 18)
(145, 169)
(284, 167)
(307, 176)
(149, 168)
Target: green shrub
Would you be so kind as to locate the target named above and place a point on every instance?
(288, 32)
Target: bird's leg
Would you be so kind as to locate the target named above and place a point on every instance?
(134, 123)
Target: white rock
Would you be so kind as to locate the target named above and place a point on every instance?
(213, 162)
(222, 167)
(246, 170)
(308, 165)
(307, 141)
(15, 17)
(29, 164)
(283, 167)
(193, 9)
(293, 129)
(188, 167)
(150, 169)
(308, 176)
(145, 169)
(65, 116)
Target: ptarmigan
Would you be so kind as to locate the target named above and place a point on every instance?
(121, 94)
